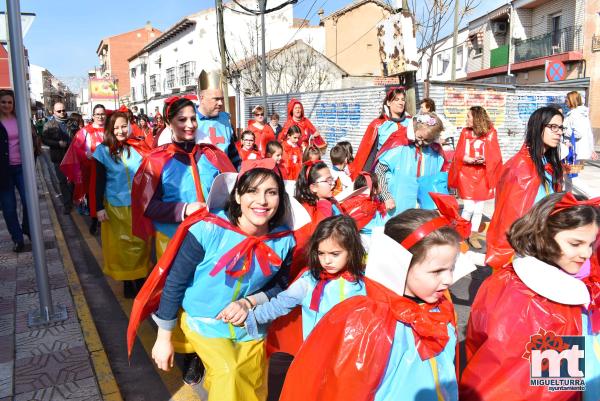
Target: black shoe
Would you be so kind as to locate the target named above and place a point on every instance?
(94, 227)
(193, 369)
(129, 291)
(19, 247)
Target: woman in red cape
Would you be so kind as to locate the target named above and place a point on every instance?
(476, 167)
(529, 176)
(296, 117)
(263, 133)
(518, 308)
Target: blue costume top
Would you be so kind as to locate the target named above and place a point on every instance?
(386, 129)
(407, 377)
(413, 172)
(119, 175)
(377, 221)
(203, 296)
(218, 131)
(300, 293)
(178, 185)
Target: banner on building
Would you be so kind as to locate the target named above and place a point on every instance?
(103, 89)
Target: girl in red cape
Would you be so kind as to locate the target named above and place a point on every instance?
(263, 133)
(275, 151)
(308, 132)
(476, 167)
(529, 176)
(247, 148)
(292, 153)
(398, 341)
(528, 304)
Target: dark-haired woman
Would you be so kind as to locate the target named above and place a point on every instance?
(126, 257)
(390, 127)
(529, 176)
(541, 296)
(206, 276)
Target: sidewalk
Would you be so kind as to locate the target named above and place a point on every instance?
(56, 362)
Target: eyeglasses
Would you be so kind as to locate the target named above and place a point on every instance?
(99, 115)
(556, 127)
(59, 111)
(259, 114)
(329, 181)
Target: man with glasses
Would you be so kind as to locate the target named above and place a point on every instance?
(55, 135)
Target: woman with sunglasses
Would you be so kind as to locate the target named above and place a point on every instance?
(529, 176)
(263, 133)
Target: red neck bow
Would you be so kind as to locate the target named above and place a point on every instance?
(450, 217)
(568, 201)
(248, 165)
(324, 278)
(246, 250)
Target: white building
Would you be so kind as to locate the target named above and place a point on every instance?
(442, 59)
(171, 63)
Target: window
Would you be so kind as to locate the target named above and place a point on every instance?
(555, 27)
(153, 83)
(186, 73)
(143, 68)
(133, 94)
(143, 91)
(440, 64)
(476, 43)
(170, 77)
(133, 71)
(459, 57)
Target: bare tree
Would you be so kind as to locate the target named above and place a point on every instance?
(432, 16)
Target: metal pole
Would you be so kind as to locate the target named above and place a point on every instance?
(22, 110)
(263, 63)
(454, 41)
(221, 38)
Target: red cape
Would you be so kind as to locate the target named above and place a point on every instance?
(504, 315)
(515, 194)
(287, 160)
(261, 136)
(346, 354)
(148, 176)
(245, 154)
(476, 182)
(306, 127)
(362, 209)
(367, 149)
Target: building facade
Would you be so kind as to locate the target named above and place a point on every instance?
(441, 59)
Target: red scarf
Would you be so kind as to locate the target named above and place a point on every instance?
(324, 278)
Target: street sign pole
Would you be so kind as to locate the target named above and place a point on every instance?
(47, 312)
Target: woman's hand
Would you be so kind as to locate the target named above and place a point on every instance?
(163, 352)
(102, 215)
(192, 207)
(235, 313)
(390, 204)
(469, 160)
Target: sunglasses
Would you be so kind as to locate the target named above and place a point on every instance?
(60, 111)
(259, 114)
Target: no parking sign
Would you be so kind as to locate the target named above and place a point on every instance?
(555, 71)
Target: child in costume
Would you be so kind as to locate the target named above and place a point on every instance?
(274, 151)
(339, 162)
(408, 168)
(292, 153)
(476, 167)
(311, 153)
(241, 252)
(398, 341)
(126, 257)
(529, 176)
(314, 191)
(543, 294)
(263, 132)
(247, 148)
(308, 133)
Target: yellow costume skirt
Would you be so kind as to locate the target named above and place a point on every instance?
(235, 371)
(126, 257)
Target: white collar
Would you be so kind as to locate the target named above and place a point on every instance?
(551, 282)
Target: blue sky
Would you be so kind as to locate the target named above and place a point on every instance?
(66, 33)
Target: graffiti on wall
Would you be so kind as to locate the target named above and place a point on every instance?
(457, 102)
(336, 119)
(527, 104)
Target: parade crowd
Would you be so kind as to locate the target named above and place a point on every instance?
(281, 276)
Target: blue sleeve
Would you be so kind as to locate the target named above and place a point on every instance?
(180, 277)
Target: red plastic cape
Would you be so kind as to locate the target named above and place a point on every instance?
(262, 136)
(346, 354)
(362, 209)
(245, 154)
(292, 169)
(148, 176)
(306, 127)
(515, 194)
(504, 316)
(148, 298)
(476, 182)
(366, 148)
(75, 164)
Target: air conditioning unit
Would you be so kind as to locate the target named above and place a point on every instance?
(499, 27)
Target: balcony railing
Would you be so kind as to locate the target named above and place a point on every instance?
(561, 41)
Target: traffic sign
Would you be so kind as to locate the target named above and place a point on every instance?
(555, 71)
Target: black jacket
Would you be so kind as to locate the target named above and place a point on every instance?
(52, 134)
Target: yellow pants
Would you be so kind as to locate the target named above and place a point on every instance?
(161, 241)
(235, 371)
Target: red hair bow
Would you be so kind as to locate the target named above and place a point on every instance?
(169, 101)
(568, 201)
(122, 109)
(450, 217)
(392, 89)
(309, 165)
(248, 165)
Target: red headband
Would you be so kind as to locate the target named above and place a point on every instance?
(393, 88)
(568, 201)
(169, 101)
(450, 217)
(309, 165)
(248, 165)
(368, 179)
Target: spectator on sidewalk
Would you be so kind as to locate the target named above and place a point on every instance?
(56, 136)
(12, 171)
(577, 122)
(427, 105)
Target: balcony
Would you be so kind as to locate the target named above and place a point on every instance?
(561, 41)
(499, 56)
